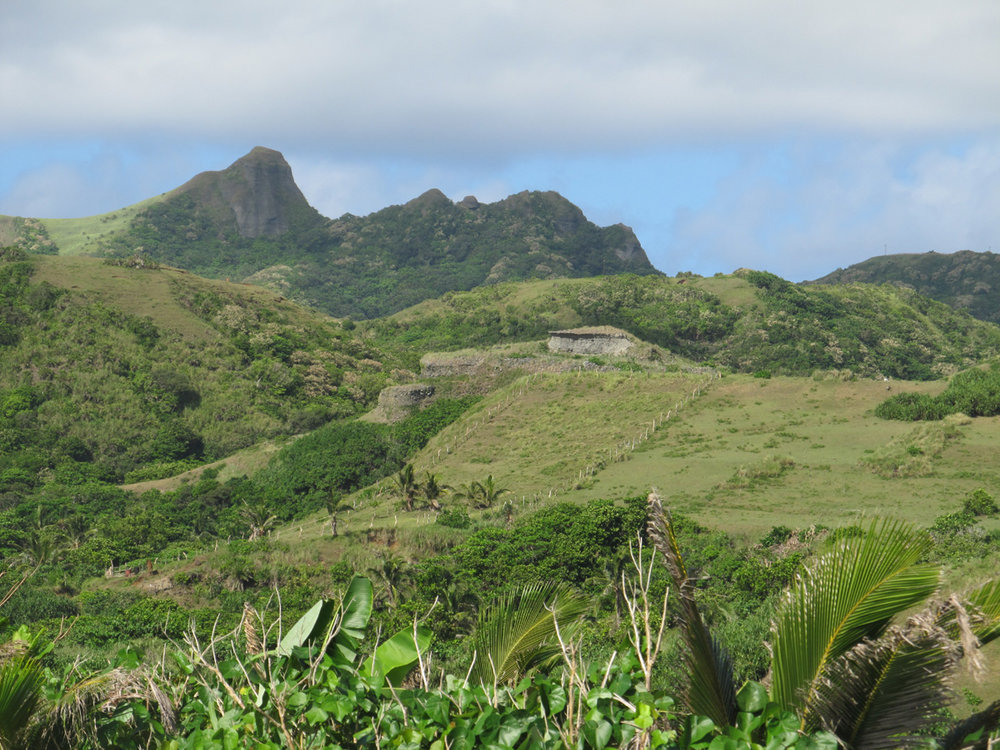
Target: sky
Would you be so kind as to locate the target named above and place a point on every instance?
(794, 136)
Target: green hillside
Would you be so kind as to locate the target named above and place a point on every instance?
(108, 369)
(965, 280)
(749, 321)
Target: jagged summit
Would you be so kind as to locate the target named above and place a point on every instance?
(250, 222)
(257, 188)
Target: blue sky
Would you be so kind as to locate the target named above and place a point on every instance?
(796, 137)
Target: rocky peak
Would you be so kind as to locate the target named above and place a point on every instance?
(258, 189)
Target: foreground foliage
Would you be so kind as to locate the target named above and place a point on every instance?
(840, 656)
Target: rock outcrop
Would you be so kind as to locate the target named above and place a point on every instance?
(258, 189)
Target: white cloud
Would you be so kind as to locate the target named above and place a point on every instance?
(500, 76)
(838, 206)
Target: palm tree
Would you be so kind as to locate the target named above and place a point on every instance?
(407, 485)
(21, 680)
(432, 490)
(840, 657)
(490, 493)
(481, 494)
(75, 530)
(258, 519)
(394, 574)
(334, 506)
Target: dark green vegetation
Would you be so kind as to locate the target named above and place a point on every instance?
(840, 673)
(965, 280)
(250, 222)
(92, 390)
(975, 393)
(750, 322)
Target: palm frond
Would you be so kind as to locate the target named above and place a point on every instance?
(710, 690)
(516, 632)
(985, 601)
(847, 595)
(20, 693)
(883, 693)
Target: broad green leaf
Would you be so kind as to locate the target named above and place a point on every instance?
(318, 618)
(357, 610)
(752, 697)
(394, 658)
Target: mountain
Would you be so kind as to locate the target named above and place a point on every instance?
(250, 222)
(965, 280)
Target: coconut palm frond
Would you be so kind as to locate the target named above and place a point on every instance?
(709, 668)
(883, 693)
(846, 596)
(20, 693)
(985, 602)
(517, 632)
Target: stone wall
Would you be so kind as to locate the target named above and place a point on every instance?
(590, 341)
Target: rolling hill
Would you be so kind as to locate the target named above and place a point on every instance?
(965, 280)
(107, 369)
(749, 321)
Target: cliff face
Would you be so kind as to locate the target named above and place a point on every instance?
(258, 191)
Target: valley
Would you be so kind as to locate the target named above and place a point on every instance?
(193, 427)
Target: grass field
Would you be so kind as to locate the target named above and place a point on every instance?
(744, 455)
(153, 292)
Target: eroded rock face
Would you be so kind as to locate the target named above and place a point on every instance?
(585, 341)
(258, 199)
(398, 401)
(259, 190)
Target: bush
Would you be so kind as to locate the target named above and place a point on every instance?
(777, 535)
(980, 503)
(455, 519)
(911, 407)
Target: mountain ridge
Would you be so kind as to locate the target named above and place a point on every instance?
(250, 222)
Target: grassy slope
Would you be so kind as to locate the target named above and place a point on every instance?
(89, 370)
(82, 235)
(825, 427)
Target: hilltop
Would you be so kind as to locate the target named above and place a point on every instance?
(250, 222)
(749, 321)
(965, 280)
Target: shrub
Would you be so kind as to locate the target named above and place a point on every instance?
(911, 407)
(455, 519)
(777, 535)
(980, 503)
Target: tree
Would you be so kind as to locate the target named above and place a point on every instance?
(481, 494)
(490, 493)
(258, 519)
(840, 656)
(432, 490)
(334, 506)
(407, 485)
(394, 574)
